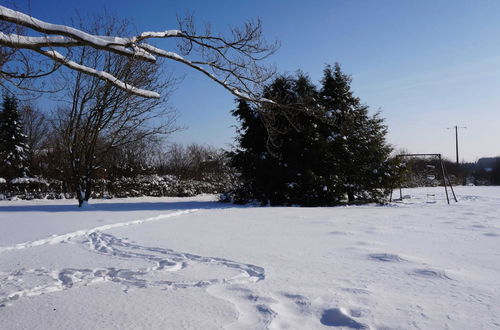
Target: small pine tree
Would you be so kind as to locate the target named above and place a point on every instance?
(14, 150)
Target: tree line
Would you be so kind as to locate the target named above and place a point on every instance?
(34, 163)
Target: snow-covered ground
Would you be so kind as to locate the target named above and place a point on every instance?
(192, 263)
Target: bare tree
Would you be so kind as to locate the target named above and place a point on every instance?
(194, 161)
(35, 125)
(101, 117)
(132, 159)
(36, 129)
(230, 60)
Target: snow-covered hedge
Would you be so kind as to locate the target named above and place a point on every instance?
(154, 185)
(143, 185)
(29, 188)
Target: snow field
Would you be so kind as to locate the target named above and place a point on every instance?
(196, 264)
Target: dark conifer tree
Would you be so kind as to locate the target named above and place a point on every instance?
(13, 148)
(251, 157)
(259, 156)
(277, 154)
(310, 148)
(358, 146)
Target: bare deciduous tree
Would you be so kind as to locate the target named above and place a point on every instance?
(193, 161)
(229, 60)
(35, 126)
(101, 117)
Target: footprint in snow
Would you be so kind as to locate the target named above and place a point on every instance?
(385, 257)
(256, 308)
(300, 302)
(355, 290)
(266, 313)
(334, 317)
(338, 233)
(250, 295)
(449, 222)
(430, 273)
(491, 234)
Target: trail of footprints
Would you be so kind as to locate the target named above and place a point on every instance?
(32, 282)
(261, 312)
(422, 272)
(256, 311)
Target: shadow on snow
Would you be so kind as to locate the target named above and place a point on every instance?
(121, 206)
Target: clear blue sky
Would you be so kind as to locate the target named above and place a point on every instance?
(426, 65)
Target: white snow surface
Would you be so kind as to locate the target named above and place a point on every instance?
(193, 263)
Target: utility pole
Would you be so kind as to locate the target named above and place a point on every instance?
(456, 138)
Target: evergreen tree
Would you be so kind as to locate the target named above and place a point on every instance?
(278, 154)
(358, 148)
(311, 148)
(13, 148)
(259, 168)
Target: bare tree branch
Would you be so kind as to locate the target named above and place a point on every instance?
(229, 61)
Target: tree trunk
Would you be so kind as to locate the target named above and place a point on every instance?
(78, 189)
(79, 196)
(88, 188)
(350, 197)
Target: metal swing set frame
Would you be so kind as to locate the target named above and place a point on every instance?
(444, 173)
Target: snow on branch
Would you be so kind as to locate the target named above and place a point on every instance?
(231, 61)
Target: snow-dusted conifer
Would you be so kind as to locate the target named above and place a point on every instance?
(13, 148)
(357, 144)
(311, 148)
(279, 153)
